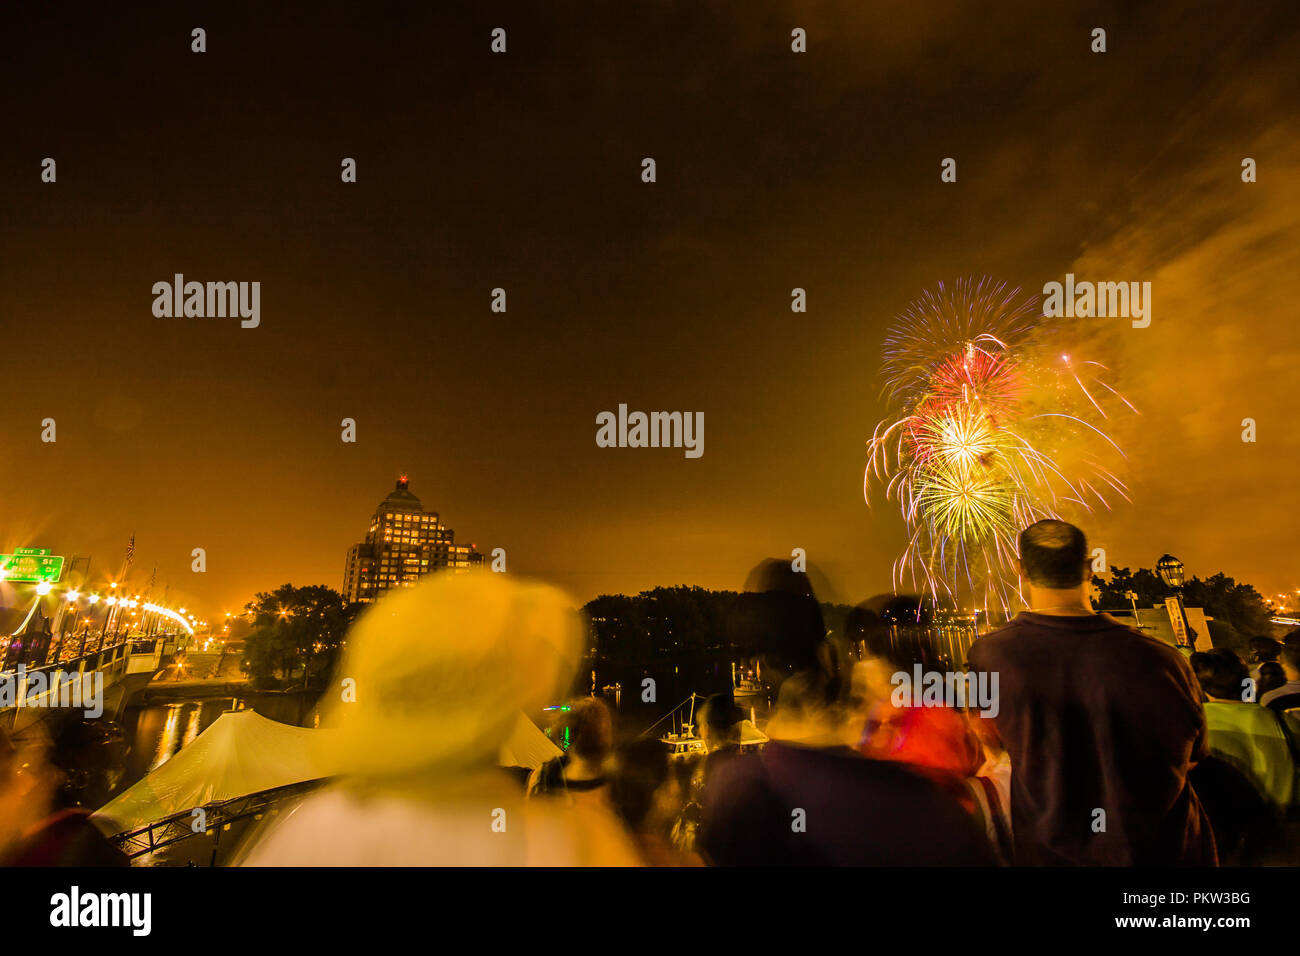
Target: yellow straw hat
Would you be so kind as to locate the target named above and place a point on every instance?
(438, 673)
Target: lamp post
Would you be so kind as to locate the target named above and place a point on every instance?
(1170, 570)
(90, 620)
(60, 626)
(1133, 600)
(111, 601)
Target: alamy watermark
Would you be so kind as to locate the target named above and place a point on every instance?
(961, 689)
(654, 430)
(212, 300)
(83, 691)
(74, 908)
(1130, 300)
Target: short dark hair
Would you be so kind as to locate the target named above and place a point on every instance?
(1264, 648)
(1052, 553)
(591, 728)
(723, 717)
(1221, 673)
(1271, 677)
(1290, 655)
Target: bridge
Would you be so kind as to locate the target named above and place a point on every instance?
(28, 695)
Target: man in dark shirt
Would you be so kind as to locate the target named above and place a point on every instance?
(794, 805)
(1102, 723)
(806, 798)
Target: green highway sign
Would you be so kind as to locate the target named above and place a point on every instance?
(31, 565)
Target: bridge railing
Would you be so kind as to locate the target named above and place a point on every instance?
(107, 659)
(215, 817)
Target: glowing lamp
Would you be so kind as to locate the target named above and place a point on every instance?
(1170, 570)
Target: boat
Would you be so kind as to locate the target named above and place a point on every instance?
(746, 689)
(685, 743)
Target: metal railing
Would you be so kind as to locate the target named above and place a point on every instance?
(216, 816)
(107, 659)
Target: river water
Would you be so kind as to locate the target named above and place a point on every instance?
(157, 732)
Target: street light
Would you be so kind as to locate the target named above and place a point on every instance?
(90, 622)
(1133, 600)
(44, 587)
(1170, 570)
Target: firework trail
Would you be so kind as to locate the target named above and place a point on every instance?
(989, 430)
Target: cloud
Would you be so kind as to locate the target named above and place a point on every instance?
(1224, 264)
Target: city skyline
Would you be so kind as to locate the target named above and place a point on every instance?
(405, 542)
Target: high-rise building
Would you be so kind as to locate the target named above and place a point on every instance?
(404, 543)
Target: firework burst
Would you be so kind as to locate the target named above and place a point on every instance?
(989, 430)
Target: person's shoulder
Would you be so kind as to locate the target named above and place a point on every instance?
(1242, 715)
(954, 836)
(736, 771)
(844, 766)
(68, 837)
(1125, 630)
(584, 833)
(1284, 697)
(294, 836)
(998, 640)
(1143, 643)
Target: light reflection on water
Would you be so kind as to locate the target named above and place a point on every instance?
(170, 742)
(158, 732)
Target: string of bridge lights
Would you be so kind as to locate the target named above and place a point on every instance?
(72, 595)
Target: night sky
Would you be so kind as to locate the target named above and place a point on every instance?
(775, 170)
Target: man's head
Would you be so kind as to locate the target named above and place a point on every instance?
(591, 729)
(1264, 649)
(720, 722)
(1290, 656)
(1222, 674)
(1053, 555)
(778, 622)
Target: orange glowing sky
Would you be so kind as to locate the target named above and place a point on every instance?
(775, 170)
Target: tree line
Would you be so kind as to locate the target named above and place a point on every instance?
(293, 635)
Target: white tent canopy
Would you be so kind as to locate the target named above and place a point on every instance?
(527, 746)
(240, 754)
(243, 753)
(749, 734)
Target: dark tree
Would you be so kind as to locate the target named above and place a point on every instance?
(1238, 611)
(1113, 594)
(295, 629)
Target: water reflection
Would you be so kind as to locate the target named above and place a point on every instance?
(159, 731)
(162, 730)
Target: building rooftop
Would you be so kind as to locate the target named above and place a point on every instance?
(401, 499)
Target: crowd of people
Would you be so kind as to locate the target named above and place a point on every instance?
(1106, 746)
